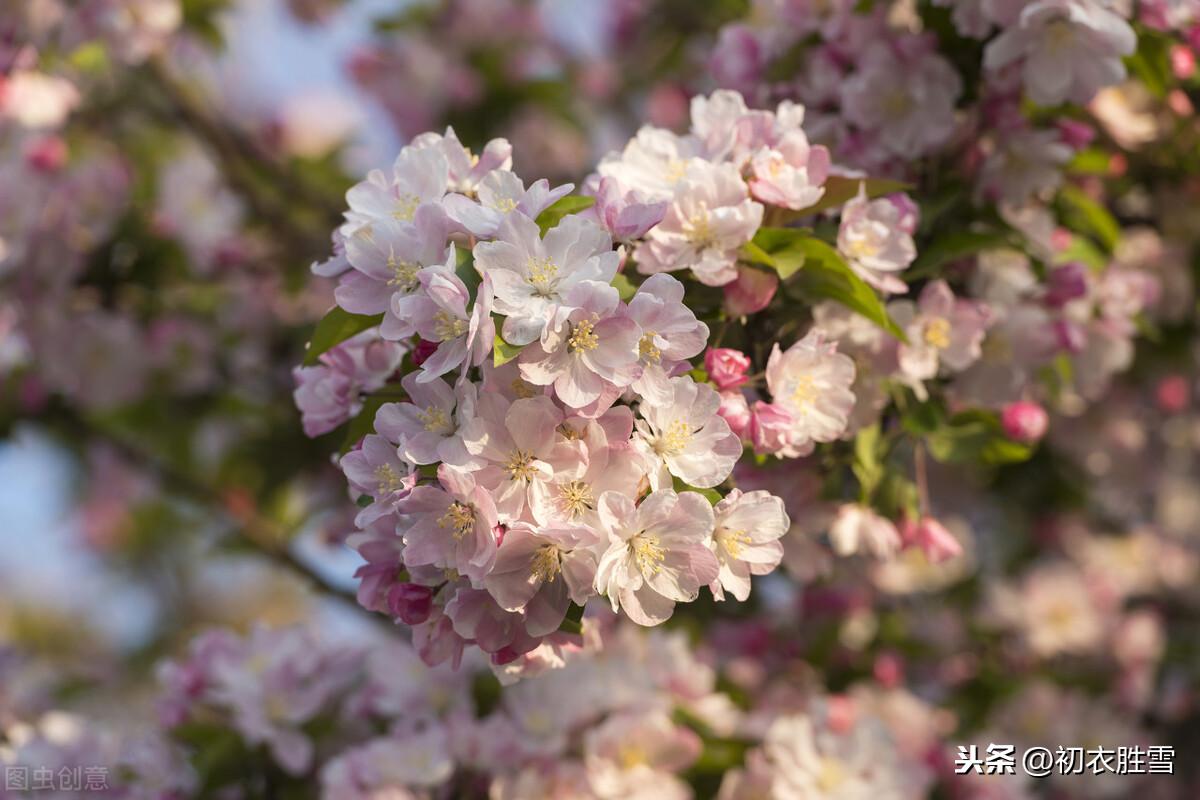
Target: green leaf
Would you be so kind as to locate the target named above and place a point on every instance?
(975, 437)
(826, 275)
(334, 328)
(571, 204)
(624, 286)
(711, 495)
(953, 246)
(464, 268)
(503, 352)
(839, 190)
(1084, 214)
(867, 466)
(573, 621)
(1090, 161)
(364, 422)
(771, 250)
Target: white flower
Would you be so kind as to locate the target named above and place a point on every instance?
(500, 194)
(531, 276)
(418, 176)
(670, 333)
(652, 163)
(658, 553)
(710, 218)
(746, 537)
(1071, 49)
(686, 437)
(811, 381)
(858, 529)
(876, 242)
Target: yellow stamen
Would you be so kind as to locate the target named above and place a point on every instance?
(406, 207)
(583, 336)
(433, 419)
(447, 326)
(646, 348)
(576, 497)
(648, 554)
(937, 333)
(519, 466)
(543, 276)
(389, 479)
(459, 519)
(547, 563)
(732, 540)
(505, 205)
(805, 390)
(674, 439)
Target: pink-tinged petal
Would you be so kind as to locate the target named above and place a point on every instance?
(646, 606)
(362, 294)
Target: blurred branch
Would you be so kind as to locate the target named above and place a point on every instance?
(271, 189)
(265, 536)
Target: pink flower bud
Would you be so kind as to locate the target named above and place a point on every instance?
(750, 292)
(909, 212)
(1172, 394)
(411, 603)
(735, 411)
(1183, 61)
(1024, 421)
(931, 536)
(46, 154)
(889, 669)
(423, 350)
(841, 713)
(1066, 283)
(626, 215)
(726, 367)
(1076, 134)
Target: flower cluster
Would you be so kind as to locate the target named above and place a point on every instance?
(549, 443)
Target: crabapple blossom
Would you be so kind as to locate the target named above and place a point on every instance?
(375, 469)
(451, 525)
(876, 241)
(521, 451)
(626, 215)
(465, 171)
(652, 163)
(418, 176)
(943, 332)
(710, 218)
(500, 194)
(750, 292)
(686, 437)
(531, 276)
(658, 552)
(791, 173)
(1024, 421)
(612, 465)
(442, 312)
(541, 570)
(746, 533)
(428, 428)
(394, 766)
(636, 755)
(858, 529)
(588, 350)
(932, 538)
(811, 382)
(386, 256)
(328, 394)
(671, 335)
(1070, 49)
(726, 367)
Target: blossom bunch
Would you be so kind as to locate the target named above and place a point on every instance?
(548, 443)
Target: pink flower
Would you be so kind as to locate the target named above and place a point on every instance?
(874, 237)
(811, 381)
(685, 437)
(773, 431)
(531, 276)
(943, 332)
(746, 536)
(442, 312)
(626, 215)
(736, 413)
(500, 194)
(858, 529)
(450, 526)
(540, 571)
(791, 174)
(726, 367)
(386, 256)
(671, 335)
(636, 754)
(427, 428)
(586, 348)
(521, 451)
(1070, 48)
(658, 553)
(937, 543)
(751, 291)
(376, 469)
(330, 393)
(1024, 421)
(711, 217)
